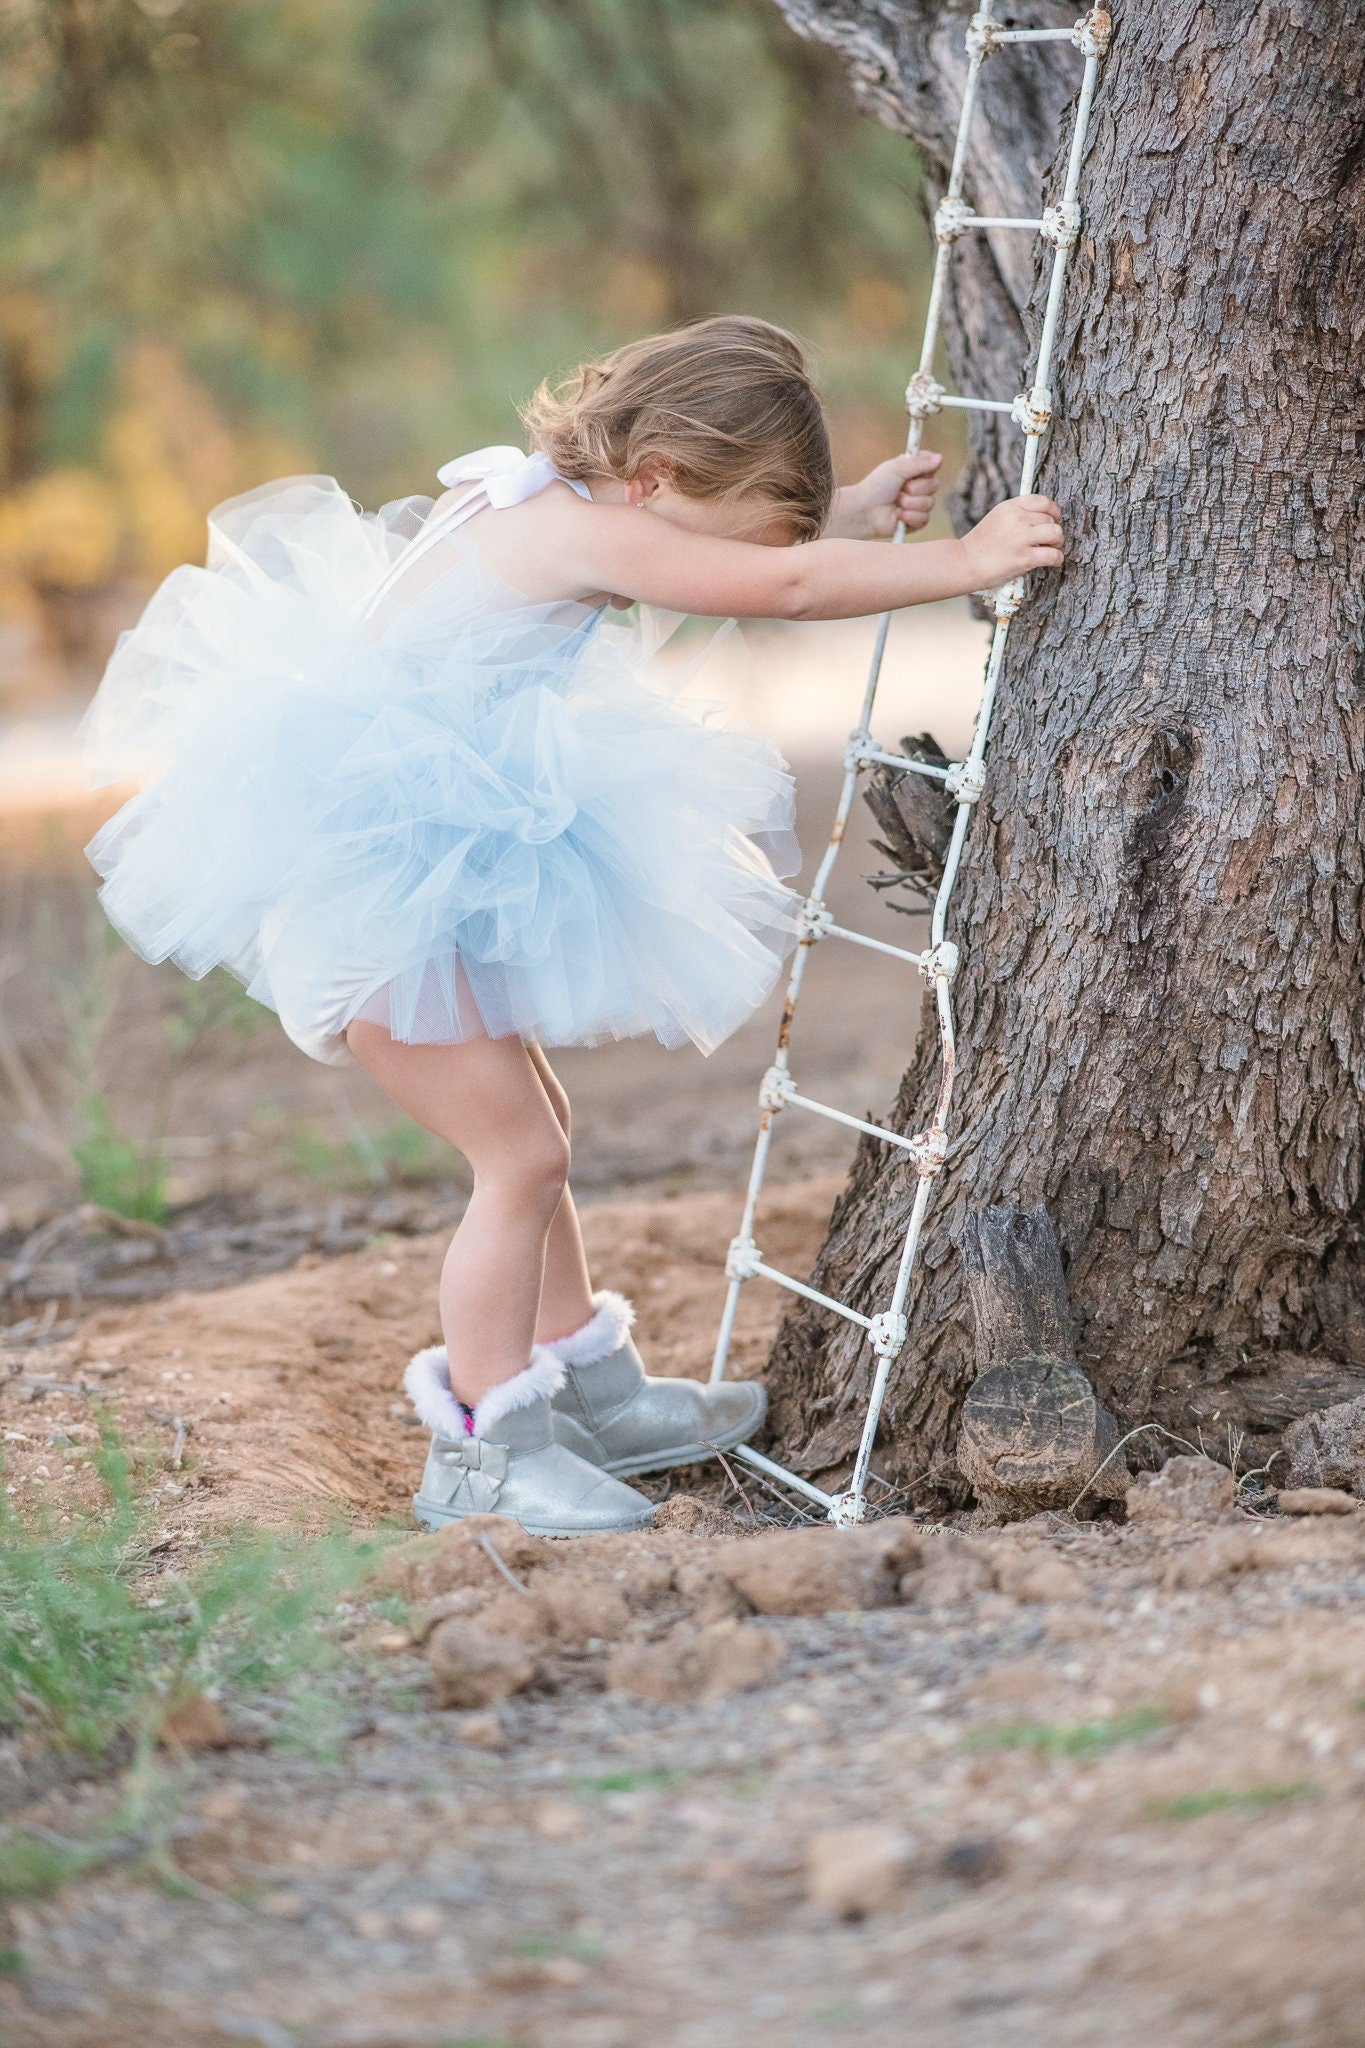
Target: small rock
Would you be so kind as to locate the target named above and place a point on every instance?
(1184, 1490)
(483, 1731)
(1036, 1578)
(472, 1667)
(423, 1921)
(455, 1557)
(956, 1568)
(1316, 1500)
(853, 1872)
(973, 1860)
(194, 1722)
(558, 1819)
(1327, 1448)
(697, 1664)
(392, 1642)
(822, 1571)
(466, 1601)
(685, 1515)
(228, 1802)
(582, 1609)
(519, 1618)
(284, 1906)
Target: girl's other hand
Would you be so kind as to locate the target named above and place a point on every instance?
(901, 490)
(1021, 534)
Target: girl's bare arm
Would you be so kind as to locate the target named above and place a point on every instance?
(614, 548)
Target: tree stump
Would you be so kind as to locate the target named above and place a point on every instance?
(1033, 1433)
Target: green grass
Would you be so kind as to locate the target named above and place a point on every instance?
(1224, 1799)
(657, 1780)
(12, 1962)
(398, 1154)
(90, 1663)
(1088, 1739)
(31, 1868)
(116, 1172)
(532, 1947)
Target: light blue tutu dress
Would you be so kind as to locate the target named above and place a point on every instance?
(376, 781)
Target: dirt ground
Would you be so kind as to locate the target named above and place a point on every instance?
(1061, 1783)
(289, 1386)
(932, 1787)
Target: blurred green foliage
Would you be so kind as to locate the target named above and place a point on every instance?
(350, 233)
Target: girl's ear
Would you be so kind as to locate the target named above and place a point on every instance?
(653, 475)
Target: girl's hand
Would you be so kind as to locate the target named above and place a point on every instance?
(1021, 534)
(899, 490)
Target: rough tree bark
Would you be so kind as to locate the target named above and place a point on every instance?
(1162, 1031)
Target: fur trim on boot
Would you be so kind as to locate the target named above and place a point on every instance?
(544, 1376)
(427, 1385)
(427, 1381)
(604, 1333)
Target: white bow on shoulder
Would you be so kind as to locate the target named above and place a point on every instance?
(507, 474)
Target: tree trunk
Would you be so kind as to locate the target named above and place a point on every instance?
(1160, 1005)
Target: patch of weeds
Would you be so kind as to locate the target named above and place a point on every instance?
(578, 1947)
(398, 1154)
(12, 1962)
(31, 1868)
(393, 1608)
(122, 1174)
(92, 1665)
(1224, 1799)
(654, 1780)
(1089, 1738)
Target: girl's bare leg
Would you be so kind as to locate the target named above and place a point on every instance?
(566, 1291)
(487, 1098)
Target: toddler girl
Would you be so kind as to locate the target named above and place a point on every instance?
(404, 776)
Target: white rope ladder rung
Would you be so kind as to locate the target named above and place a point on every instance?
(838, 931)
(867, 755)
(1059, 224)
(760, 1270)
(853, 1123)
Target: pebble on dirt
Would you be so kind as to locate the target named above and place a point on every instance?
(1316, 1500)
(1327, 1448)
(472, 1667)
(1186, 1489)
(822, 1571)
(853, 1872)
(697, 1664)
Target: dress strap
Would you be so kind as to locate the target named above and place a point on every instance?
(506, 475)
(501, 475)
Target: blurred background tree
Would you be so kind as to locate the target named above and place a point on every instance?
(244, 237)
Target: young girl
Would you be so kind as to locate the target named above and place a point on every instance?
(405, 778)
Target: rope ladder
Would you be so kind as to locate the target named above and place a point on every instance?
(1031, 411)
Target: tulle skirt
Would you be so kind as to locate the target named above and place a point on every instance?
(466, 813)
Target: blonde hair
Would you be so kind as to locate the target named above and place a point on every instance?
(726, 403)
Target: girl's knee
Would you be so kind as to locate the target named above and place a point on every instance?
(536, 1172)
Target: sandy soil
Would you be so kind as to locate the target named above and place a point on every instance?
(1061, 1783)
(289, 1386)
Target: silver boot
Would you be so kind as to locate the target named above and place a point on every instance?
(511, 1465)
(611, 1413)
